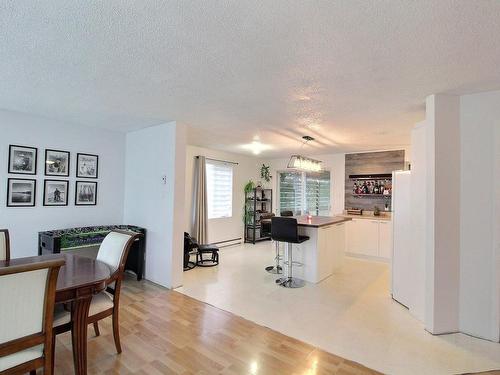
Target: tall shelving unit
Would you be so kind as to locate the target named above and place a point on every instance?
(259, 201)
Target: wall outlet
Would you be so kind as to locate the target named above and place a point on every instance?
(164, 179)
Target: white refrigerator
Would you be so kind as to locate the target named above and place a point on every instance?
(402, 237)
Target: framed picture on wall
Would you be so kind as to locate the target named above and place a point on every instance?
(55, 193)
(57, 163)
(85, 193)
(87, 165)
(21, 192)
(22, 159)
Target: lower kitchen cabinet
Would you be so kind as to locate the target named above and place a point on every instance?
(385, 239)
(369, 237)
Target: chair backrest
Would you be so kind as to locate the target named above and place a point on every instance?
(115, 248)
(4, 245)
(27, 294)
(286, 213)
(284, 229)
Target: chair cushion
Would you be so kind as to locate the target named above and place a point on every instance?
(207, 248)
(101, 302)
(20, 357)
(61, 316)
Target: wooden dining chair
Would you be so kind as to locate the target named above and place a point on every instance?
(4, 244)
(113, 251)
(27, 294)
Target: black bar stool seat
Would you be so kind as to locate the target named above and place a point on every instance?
(286, 229)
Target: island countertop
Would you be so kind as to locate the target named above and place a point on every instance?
(320, 221)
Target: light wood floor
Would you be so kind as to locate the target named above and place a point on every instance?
(165, 332)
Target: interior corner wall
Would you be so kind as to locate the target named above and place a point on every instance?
(443, 209)
(24, 223)
(480, 207)
(154, 197)
(248, 168)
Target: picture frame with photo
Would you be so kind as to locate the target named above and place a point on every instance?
(57, 163)
(21, 192)
(87, 165)
(55, 192)
(22, 159)
(85, 193)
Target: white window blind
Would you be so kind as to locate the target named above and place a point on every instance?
(219, 189)
(291, 192)
(318, 193)
(305, 193)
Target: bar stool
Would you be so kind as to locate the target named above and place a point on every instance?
(276, 269)
(285, 229)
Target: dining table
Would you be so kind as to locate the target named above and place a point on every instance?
(79, 279)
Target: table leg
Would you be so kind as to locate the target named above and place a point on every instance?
(79, 334)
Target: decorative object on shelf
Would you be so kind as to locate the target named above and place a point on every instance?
(55, 193)
(265, 173)
(57, 163)
(22, 159)
(87, 165)
(21, 192)
(258, 206)
(304, 163)
(85, 193)
(376, 211)
(60, 240)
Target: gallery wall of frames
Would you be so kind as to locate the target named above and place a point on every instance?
(57, 167)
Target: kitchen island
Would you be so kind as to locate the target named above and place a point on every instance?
(323, 253)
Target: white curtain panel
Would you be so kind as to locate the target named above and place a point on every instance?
(200, 201)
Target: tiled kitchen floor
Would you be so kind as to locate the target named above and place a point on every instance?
(350, 314)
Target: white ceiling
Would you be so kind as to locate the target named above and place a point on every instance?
(352, 73)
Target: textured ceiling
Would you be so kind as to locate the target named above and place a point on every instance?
(354, 74)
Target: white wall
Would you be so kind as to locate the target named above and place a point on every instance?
(479, 208)
(152, 153)
(25, 223)
(248, 168)
(443, 209)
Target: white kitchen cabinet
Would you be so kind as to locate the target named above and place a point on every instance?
(338, 239)
(369, 237)
(363, 237)
(385, 239)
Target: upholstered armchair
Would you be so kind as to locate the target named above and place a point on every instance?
(27, 293)
(4, 245)
(113, 251)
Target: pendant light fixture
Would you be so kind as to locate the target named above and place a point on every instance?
(304, 163)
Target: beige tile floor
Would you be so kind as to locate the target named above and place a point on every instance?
(350, 314)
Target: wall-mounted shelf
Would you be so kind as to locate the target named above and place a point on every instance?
(375, 176)
(372, 195)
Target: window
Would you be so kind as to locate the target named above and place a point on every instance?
(219, 189)
(305, 192)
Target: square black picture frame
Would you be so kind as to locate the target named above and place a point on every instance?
(85, 171)
(48, 163)
(10, 200)
(83, 198)
(45, 192)
(12, 169)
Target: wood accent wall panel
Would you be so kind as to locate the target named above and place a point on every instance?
(370, 163)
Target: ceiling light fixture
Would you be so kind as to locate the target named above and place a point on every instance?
(256, 147)
(304, 163)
